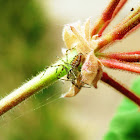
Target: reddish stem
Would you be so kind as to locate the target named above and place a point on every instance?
(116, 85)
(128, 56)
(119, 32)
(136, 52)
(116, 64)
(114, 13)
(131, 15)
(105, 17)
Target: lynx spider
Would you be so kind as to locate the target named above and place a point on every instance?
(74, 74)
(91, 71)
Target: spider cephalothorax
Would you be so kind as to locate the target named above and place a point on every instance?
(80, 36)
(74, 74)
(75, 67)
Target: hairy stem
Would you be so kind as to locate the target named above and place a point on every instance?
(108, 14)
(115, 12)
(116, 64)
(128, 56)
(131, 15)
(120, 31)
(42, 80)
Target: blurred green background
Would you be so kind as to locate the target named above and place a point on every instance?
(26, 44)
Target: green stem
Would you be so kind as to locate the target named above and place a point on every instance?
(42, 80)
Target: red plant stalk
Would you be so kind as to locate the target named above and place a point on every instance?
(127, 56)
(107, 16)
(117, 60)
(116, 64)
(119, 87)
(131, 15)
(119, 32)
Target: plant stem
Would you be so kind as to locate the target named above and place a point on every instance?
(107, 16)
(42, 80)
(120, 31)
(116, 85)
(126, 56)
(116, 64)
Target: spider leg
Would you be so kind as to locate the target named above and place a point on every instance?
(67, 53)
(63, 79)
(75, 87)
(66, 79)
(80, 85)
(87, 86)
(45, 71)
(63, 68)
(75, 84)
(74, 77)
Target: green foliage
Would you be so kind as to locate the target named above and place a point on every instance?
(21, 18)
(126, 123)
